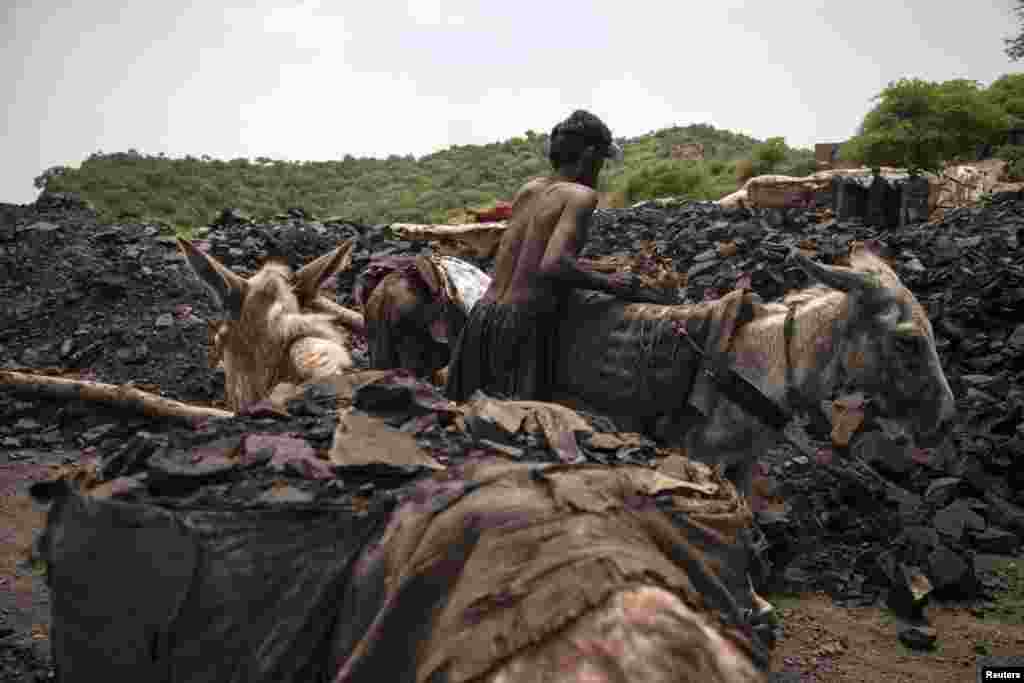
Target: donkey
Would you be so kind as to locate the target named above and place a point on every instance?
(860, 329)
(276, 328)
(415, 308)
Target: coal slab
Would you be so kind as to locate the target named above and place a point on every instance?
(919, 637)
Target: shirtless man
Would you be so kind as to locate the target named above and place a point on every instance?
(508, 347)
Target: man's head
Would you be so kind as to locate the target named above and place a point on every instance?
(579, 145)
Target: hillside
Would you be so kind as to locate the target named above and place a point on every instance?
(189, 191)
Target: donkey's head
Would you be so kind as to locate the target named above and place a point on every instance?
(268, 334)
(887, 345)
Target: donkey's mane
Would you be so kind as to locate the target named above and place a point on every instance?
(806, 295)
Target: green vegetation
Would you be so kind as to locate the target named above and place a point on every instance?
(1007, 92)
(1014, 156)
(190, 191)
(784, 600)
(920, 125)
(650, 172)
(769, 154)
(689, 179)
(1009, 604)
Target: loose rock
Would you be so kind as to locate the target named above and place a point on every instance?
(919, 637)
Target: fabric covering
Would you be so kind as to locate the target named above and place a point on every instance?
(422, 305)
(505, 351)
(468, 282)
(381, 268)
(472, 566)
(476, 567)
(446, 277)
(144, 593)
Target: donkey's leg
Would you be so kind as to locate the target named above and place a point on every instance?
(740, 472)
(762, 609)
(736, 446)
(743, 477)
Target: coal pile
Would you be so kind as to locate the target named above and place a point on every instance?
(107, 301)
(117, 303)
(22, 665)
(262, 457)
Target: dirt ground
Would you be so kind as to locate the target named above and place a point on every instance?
(821, 641)
(24, 601)
(824, 642)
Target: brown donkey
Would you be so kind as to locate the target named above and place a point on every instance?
(274, 328)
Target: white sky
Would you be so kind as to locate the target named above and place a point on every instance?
(313, 81)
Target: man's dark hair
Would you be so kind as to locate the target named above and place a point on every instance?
(570, 137)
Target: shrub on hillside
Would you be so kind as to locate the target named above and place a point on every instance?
(768, 155)
(683, 179)
(800, 169)
(1013, 155)
(188, 192)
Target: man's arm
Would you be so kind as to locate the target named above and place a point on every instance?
(561, 263)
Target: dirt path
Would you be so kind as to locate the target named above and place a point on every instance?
(24, 600)
(20, 593)
(824, 642)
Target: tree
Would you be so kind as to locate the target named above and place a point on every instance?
(769, 154)
(40, 182)
(1015, 46)
(1008, 92)
(920, 125)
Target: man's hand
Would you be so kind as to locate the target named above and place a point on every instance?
(631, 287)
(627, 283)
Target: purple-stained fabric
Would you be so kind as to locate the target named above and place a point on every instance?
(380, 268)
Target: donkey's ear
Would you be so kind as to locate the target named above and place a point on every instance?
(226, 287)
(313, 275)
(837, 277)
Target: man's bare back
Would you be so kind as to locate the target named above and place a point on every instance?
(509, 346)
(537, 261)
(535, 214)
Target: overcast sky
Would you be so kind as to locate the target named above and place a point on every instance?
(314, 81)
